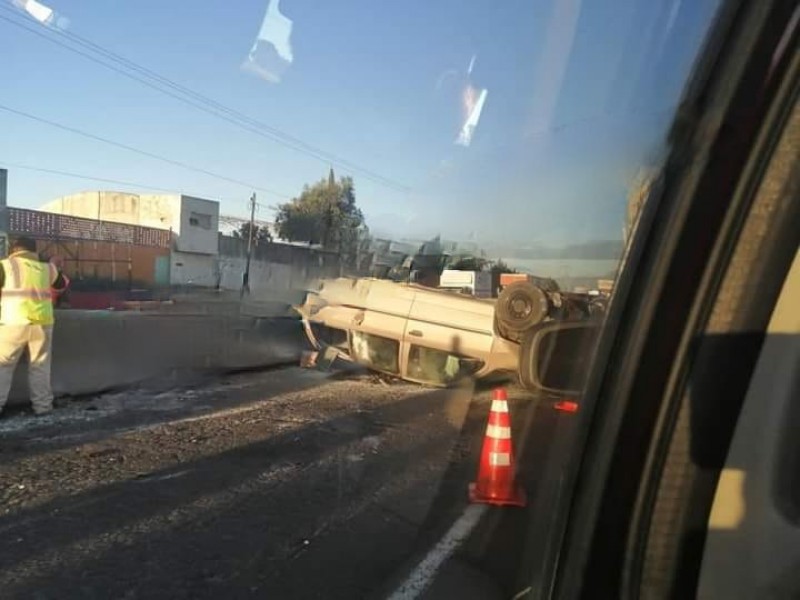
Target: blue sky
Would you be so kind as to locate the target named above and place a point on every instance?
(579, 96)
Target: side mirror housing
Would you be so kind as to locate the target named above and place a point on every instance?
(556, 356)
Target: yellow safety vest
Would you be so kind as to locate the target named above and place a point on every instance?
(26, 297)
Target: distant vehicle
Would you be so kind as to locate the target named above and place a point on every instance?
(475, 283)
(425, 335)
(545, 283)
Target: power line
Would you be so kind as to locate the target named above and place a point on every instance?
(111, 142)
(87, 177)
(236, 222)
(131, 184)
(200, 101)
(233, 116)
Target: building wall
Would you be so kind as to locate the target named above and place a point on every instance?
(77, 205)
(3, 187)
(274, 267)
(161, 211)
(83, 204)
(198, 228)
(194, 223)
(118, 208)
(280, 267)
(264, 276)
(190, 269)
(3, 213)
(89, 263)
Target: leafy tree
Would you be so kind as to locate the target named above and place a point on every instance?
(476, 263)
(468, 263)
(326, 214)
(261, 235)
(501, 267)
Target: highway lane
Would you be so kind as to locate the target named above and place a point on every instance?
(285, 483)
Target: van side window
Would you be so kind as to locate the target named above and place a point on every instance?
(438, 366)
(378, 352)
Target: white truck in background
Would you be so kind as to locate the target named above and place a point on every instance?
(474, 283)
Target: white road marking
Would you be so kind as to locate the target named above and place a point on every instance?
(423, 574)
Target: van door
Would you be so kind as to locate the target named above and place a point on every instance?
(446, 335)
(378, 324)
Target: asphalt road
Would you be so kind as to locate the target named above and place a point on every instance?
(280, 484)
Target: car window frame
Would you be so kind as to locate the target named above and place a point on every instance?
(664, 236)
(370, 364)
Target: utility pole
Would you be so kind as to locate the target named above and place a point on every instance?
(246, 276)
(3, 213)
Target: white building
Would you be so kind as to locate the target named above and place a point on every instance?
(194, 223)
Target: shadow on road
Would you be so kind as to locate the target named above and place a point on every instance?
(95, 418)
(326, 510)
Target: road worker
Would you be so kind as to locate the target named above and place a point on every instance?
(26, 320)
(59, 293)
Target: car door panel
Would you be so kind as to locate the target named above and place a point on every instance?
(447, 322)
(443, 331)
(382, 317)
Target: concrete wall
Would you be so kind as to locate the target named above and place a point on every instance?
(194, 221)
(118, 208)
(161, 211)
(200, 256)
(3, 187)
(274, 267)
(153, 210)
(3, 213)
(264, 276)
(100, 350)
(193, 269)
(83, 204)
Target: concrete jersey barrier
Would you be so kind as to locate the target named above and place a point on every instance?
(95, 351)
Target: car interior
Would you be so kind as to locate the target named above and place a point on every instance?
(675, 491)
(687, 485)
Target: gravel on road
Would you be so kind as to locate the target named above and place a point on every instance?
(286, 483)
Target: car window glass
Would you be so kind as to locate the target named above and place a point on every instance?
(379, 352)
(438, 366)
(235, 189)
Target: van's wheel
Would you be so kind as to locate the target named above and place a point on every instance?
(598, 308)
(521, 305)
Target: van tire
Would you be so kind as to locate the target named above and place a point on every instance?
(520, 306)
(598, 308)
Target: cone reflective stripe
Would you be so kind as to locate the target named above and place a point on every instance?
(496, 483)
(498, 432)
(499, 406)
(500, 459)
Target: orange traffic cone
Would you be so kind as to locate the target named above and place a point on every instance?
(496, 474)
